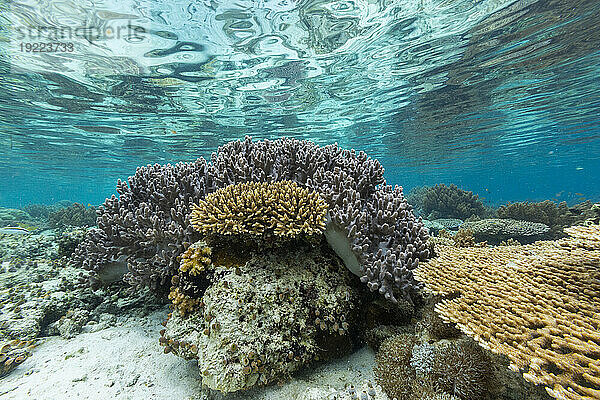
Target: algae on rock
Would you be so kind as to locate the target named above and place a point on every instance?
(259, 322)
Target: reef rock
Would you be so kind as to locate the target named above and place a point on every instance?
(259, 322)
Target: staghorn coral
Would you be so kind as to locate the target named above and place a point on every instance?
(536, 304)
(280, 208)
(495, 230)
(441, 201)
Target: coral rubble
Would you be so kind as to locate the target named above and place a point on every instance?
(536, 304)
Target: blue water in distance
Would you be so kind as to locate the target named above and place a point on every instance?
(499, 97)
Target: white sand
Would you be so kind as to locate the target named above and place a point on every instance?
(126, 362)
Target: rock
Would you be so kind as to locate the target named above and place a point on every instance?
(266, 319)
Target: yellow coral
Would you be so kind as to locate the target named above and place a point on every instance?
(537, 304)
(196, 259)
(184, 304)
(283, 208)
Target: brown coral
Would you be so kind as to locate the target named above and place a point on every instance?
(196, 259)
(183, 303)
(282, 208)
(393, 371)
(537, 304)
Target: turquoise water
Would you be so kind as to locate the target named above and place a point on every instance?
(499, 97)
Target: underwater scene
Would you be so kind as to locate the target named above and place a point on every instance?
(300, 199)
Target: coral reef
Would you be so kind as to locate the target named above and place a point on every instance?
(370, 225)
(460, 368)
(38, 211)
(74, 215)
(11, 217)
(393, 371)
(451, 224)
(68, 241)
(556, 215)
(262, 320)
(536, 304)
(441, 201)
(495, 230)
(277, 208)
(146, 229)
(196, 259)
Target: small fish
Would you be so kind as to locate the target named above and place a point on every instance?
(579, 194)
(14, 230)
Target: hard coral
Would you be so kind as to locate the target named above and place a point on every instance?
(74, 215)
(196, 259)
(393, 371)
(147, 227)
(495, 230)
(537, 304)
(370, 225)
(280, 208)
(462, 369)
(441, 201)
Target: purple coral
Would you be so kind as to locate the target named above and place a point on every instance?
(147, 227)
(370, 224)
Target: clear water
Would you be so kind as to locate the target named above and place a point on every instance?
(500, 97)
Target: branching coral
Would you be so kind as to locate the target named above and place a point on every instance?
(370, 224)
(393, 371)
(280, 208)
(461, 369)
(537, 304)
(74, 215)
(196, 259)
(147, 227)
(441, 201)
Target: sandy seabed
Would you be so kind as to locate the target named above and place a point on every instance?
(126, 362)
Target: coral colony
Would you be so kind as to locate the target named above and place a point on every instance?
(369, 224)
(266, 250)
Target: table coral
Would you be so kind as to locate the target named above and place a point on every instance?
(537, 304)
